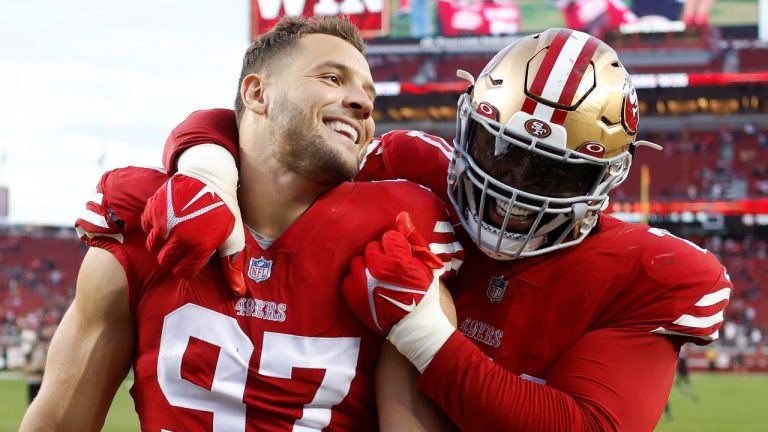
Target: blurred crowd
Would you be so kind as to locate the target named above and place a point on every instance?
(38, 269)
(731, 163)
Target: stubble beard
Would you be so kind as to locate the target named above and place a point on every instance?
(306, 152)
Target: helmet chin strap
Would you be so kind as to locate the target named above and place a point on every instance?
(509, 248)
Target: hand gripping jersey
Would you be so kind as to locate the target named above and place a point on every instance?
(289, 354)
(580, 339)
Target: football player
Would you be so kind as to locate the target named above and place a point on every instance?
(569, 319)
(284, 351)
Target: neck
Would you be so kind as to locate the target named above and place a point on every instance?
(271, 198)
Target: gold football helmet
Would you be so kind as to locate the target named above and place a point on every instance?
(546, 130)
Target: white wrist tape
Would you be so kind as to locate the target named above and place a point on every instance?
(421, 333)
(215, 166)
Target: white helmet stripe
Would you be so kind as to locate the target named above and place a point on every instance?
(561, 71)
(564, 66)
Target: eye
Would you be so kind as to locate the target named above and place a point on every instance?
(333, 78)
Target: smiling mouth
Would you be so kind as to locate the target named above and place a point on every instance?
(344, 129)
(519, 219)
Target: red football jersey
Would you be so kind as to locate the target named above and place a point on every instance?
(587, 321)
(288, 355)
(580, 339)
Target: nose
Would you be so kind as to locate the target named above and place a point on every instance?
(358, 101)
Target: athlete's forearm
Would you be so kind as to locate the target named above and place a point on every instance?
(587, 390)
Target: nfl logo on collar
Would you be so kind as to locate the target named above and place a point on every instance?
(496, 288)
(259, 269)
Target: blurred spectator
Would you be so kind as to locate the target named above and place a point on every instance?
(762, 140)
(658, 9)
(595, 16)
(478, 17)
(35, 368)
(696, 12)
(712, 354)
(682, 378)
(737, 361)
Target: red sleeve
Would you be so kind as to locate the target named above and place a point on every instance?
(433, 223)
(111, 220)
(213, 126)
(410, 155)
(116, 206)
(611, 379)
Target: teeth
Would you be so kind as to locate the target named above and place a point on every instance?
(343, 128)
(502, 206)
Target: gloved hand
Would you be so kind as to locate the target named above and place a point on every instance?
(185, 221)
(394, 289)
(391, 277)
(196, 213)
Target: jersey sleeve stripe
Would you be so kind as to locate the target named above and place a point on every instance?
(699, 322)
(443, 146)
(371, 147)
(94, 218)
(445, 248)
(709, 337)
(715, 297)
(443, 227)
(81, 232)
(455, 264)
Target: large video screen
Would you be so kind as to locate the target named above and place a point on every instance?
(371, 16)
(415, 19)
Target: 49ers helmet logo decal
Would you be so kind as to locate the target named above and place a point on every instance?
(538, 128)
(631, 109)
(488, 111)
(592, 148)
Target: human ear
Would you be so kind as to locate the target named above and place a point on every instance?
(252, 93)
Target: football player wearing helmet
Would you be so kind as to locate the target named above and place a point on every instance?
(284, 351)
(569, 319)
(540, 142)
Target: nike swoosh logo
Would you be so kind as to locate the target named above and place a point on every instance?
(401, 305)
(172, 219)
(202, 192)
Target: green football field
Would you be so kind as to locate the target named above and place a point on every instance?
(725, 403)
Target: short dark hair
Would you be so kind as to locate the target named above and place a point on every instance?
(285, 35)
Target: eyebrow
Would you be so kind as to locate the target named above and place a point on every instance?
(347, 70)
